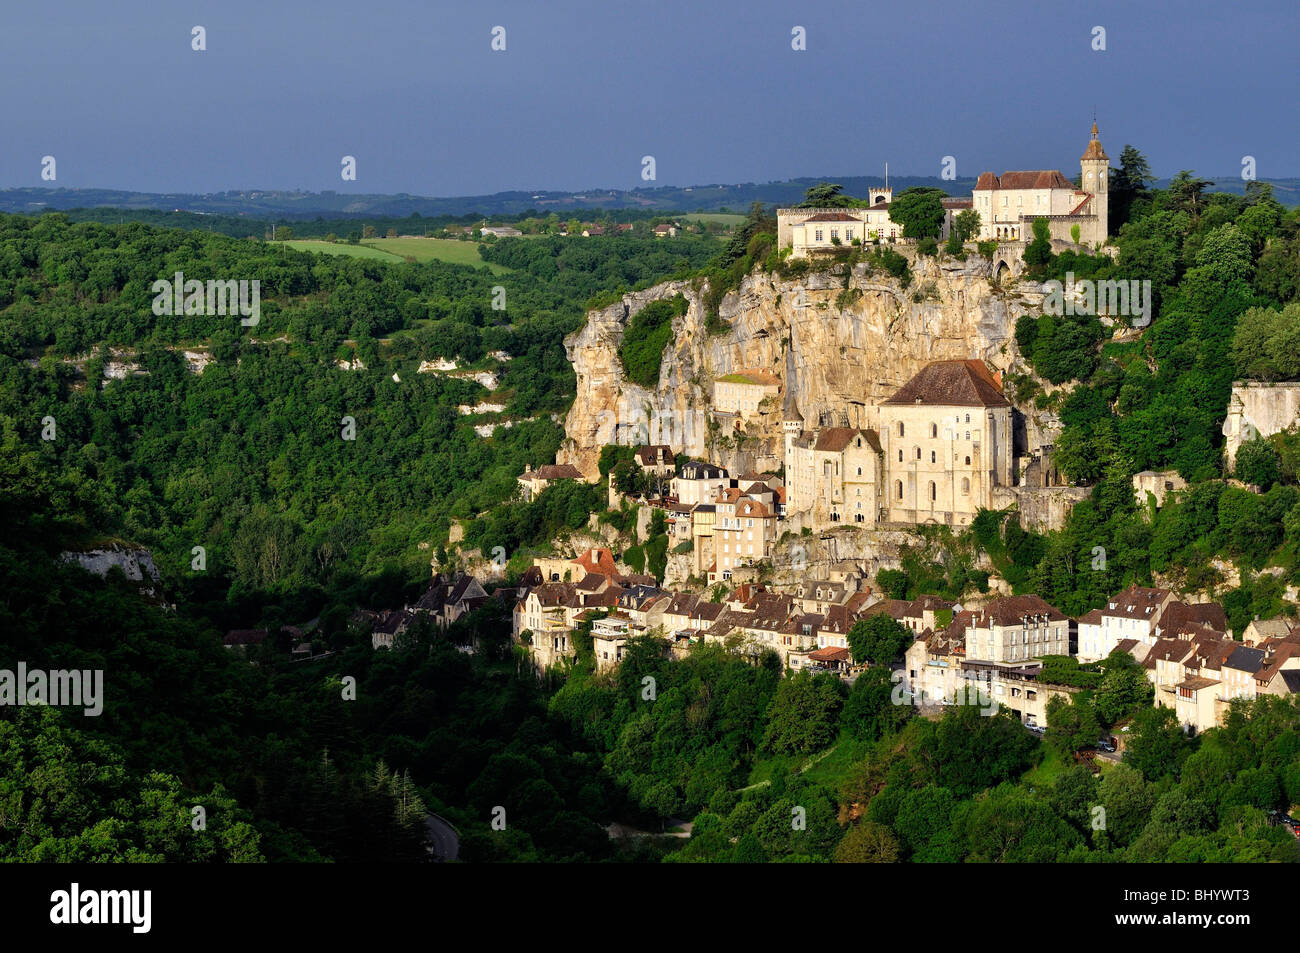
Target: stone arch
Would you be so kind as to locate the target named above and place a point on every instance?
(1001, 269)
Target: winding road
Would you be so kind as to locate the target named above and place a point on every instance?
(444, 842)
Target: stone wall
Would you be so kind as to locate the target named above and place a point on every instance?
(1258, 409)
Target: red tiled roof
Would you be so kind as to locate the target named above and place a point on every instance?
(599, 561)
(832, 217)
(1032, 179)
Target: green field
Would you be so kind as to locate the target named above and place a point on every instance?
(402, 249)
(731, 219)
(329, 248)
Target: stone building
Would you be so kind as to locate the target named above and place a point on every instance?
(1017, 629)
(834, 473)
(1009, 203)
(947, 441)
(744, 532)
(810, 230)
(743, 392)
(534, 482)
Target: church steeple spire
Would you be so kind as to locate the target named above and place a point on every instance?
(1094, 150)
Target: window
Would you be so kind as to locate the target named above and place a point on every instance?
(900, 428)
(934, 492)
(900, 456)
(967, 434)
(934, 430)
(918, 453)
(859, 471)
(968, 418)
(899, 484)
(932, 456)
(968, 459)
(819, 234)
(965, 486)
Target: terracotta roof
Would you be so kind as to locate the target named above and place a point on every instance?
(897, 608)
(649, 455)
(1010, 610)
(1136, 602)
(600, 561)
(1033, 179)
(1093, 618)
(1184, 617)
(952, 383)
(832, 217)
(1094, 150)
(1197, 683)
(829, 655)
(957, 203)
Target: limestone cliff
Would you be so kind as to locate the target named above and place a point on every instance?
(840, 343)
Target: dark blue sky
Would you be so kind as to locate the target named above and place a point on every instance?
(710, 88)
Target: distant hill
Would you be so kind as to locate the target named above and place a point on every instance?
(227, 211)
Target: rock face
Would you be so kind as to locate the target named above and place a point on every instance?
(1258, 410)
(840, 343)
(136, 564)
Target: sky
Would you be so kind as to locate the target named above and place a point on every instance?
(712, 89)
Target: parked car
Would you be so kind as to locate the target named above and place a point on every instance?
(1106, 744)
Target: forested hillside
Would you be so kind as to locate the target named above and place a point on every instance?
(243, 455)
(249, 452)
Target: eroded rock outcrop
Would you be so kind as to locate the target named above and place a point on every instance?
(840, 343)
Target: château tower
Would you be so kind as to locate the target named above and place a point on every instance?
(1095, 178)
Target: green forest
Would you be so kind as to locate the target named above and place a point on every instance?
(338, 758)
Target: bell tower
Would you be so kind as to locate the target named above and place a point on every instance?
(1095, 178)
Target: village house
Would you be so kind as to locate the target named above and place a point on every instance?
(1257, 630)
(832, 474)
(1131, 614)
(446, 600)
(932, 663)
(1017, 629)
(698, 483)
(609, 638)
(657, 459)
(535, 481)
(744, 533)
